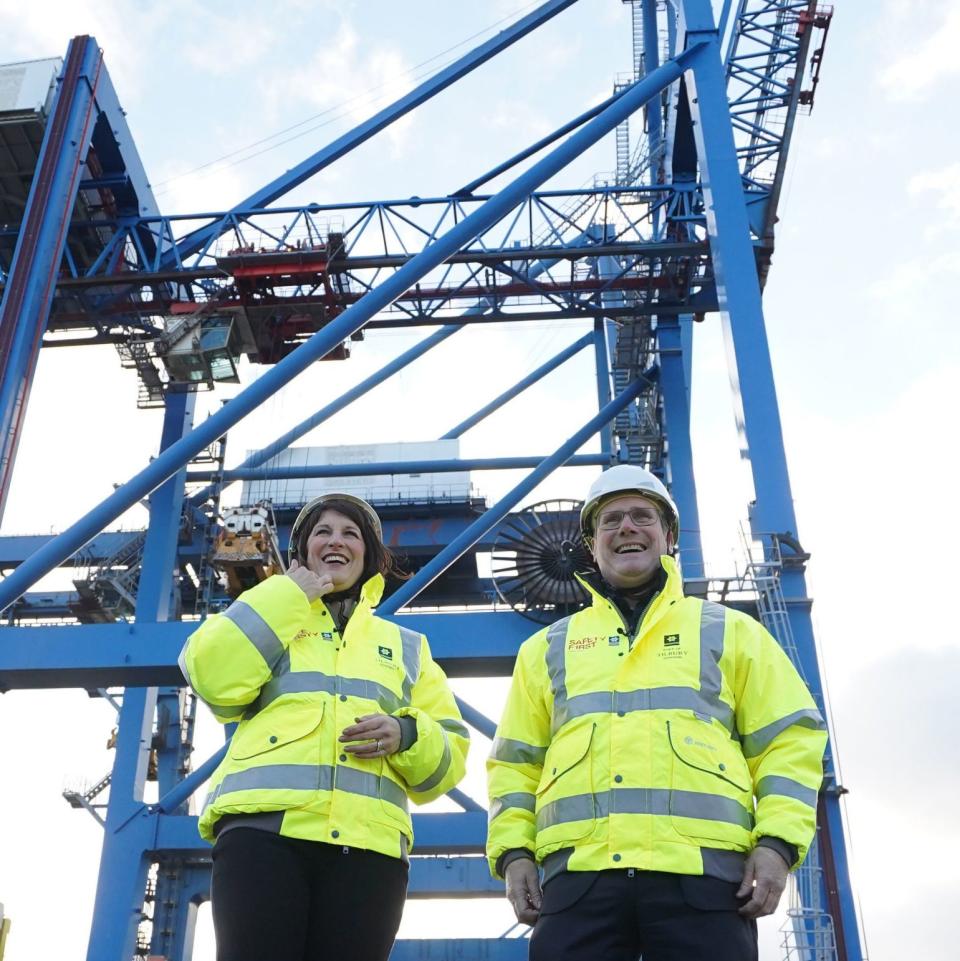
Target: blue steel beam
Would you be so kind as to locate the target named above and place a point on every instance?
(518, 388)
(351, 320)
(140, 654)
(676, 408)
(121, 882)
(434, 568)
(755, 399)
(343, 145)
(601, 354)
(28, 293)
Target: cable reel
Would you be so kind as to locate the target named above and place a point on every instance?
(535, 556)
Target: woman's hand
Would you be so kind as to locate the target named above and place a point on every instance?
(311, 584)
(380, 734)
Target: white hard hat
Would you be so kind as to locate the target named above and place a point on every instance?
(308, 508)
(628, 479)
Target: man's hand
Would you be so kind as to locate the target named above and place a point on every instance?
(764, 878)
(379, 734)
(311, 584)
(523, 890)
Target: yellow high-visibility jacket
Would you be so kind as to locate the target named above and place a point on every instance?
(676, 753)
(277, 664)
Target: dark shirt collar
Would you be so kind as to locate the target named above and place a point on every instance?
(630, 604)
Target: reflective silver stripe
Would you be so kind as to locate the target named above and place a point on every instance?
(441, 770)
(645, 699)
(182, 663)
(597, 702)
(307, 682)
(519, 799)
(704, 701)
(657, 801)
(758, 741)
(726, 865)
(517, 752)
(256, 630)
(311, 777)
(557, 669)
(454, 727)
(577, 807)
(371, 785)
(411, 661)
(710, 807)
(713, 619)
(787, 787)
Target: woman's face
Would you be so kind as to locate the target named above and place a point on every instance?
(335, 547)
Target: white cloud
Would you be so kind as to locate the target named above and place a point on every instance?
(944, 183)
(927, 61)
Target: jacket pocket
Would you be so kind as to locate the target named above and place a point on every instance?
(711, 797)
(278, 725)
(394, 805)
(566, 807)
(697, 745)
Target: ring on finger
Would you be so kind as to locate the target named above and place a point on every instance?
(378, 744)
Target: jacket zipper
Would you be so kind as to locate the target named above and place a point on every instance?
(632, 637)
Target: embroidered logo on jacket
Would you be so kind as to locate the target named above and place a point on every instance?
(582, 643)
(327, 636)
(385, 652)
(613, 640)
(672, 649)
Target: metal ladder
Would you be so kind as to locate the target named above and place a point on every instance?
(808, 934)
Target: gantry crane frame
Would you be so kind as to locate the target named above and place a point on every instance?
(704, 217)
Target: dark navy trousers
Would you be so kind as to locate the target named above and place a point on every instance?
(283, 899)
(621, 915)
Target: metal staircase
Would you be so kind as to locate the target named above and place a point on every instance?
(638, 426)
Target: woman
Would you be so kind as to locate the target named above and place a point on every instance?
(342, 718)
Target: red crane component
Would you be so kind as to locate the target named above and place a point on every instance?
(819, 18)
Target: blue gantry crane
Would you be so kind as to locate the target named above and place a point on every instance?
(683, 229)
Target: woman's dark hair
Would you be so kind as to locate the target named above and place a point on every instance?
(377, 557)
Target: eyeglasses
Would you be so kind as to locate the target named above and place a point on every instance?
(639, 517)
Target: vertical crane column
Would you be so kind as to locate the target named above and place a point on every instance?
(755, 400)
(128, 836)
(36, 261)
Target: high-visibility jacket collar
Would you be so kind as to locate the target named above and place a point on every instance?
(672, 589)
(370, 593)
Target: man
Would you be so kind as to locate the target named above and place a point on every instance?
(658, 756)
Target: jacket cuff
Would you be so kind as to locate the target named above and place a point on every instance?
(786, 850)
(508, 857)
(408, 732)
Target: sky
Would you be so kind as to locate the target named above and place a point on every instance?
(858, 310)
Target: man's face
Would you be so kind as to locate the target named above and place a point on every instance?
(628, 540)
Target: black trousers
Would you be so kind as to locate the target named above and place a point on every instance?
(621, 915)
(282, 899)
